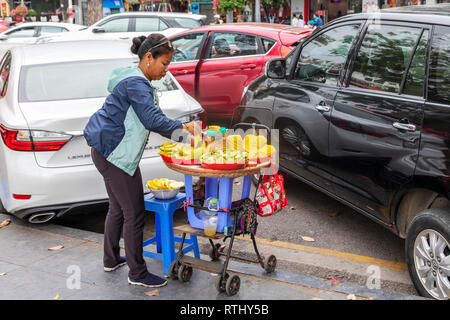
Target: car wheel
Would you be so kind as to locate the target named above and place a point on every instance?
(428, 253)
(297, 138)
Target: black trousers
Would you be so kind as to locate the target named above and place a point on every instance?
(125, 215)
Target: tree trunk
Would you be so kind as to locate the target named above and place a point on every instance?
(95, 11)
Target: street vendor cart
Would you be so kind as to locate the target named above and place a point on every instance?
(218, 184)
(231, 218)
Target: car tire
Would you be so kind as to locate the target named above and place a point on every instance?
(293, 134)
(428, 253)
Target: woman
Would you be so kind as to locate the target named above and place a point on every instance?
(118, 133)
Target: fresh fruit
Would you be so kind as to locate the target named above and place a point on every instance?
(218, 156)
(167, 148)
(217, 128)
(163, 184)
(235, 143)
(266, 151)
(252, 143)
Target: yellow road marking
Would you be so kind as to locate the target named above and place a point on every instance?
(394, 265)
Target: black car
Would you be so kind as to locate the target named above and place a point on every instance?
(363, 112)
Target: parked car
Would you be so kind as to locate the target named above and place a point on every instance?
(127, 25)
(363, 113)
(215, 63)
(28, 32)
(49, 92)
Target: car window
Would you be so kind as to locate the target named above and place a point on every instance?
(150, 24)
(439, 73)
(383, 57)
(116, 25)
(233, 44)
(22, 33)
(322, 59)
(183, 22)
(51, 29)
(4, 74)
(267, 44)
(48, 82)
(415, 79)
(187, 47)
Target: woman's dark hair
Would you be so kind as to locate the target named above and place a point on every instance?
(155, 43)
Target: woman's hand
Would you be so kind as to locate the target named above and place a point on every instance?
(191, 127)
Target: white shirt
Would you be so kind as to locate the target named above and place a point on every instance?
(300, 23)
(294, 21)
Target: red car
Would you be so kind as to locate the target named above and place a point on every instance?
(215, 63)
(5, 25)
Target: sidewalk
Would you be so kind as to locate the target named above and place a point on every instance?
(29, 271)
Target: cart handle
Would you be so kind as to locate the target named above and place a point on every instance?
(252, 125)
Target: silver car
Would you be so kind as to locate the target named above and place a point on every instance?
(48, 93)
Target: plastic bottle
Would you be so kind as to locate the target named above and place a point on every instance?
(210, 221)
(212, 204)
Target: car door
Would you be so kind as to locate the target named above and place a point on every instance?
(188, 49)
(303, 102)
(434, 141)
(112, 29)
(232, 60)
(377, 116)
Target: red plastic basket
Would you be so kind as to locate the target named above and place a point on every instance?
(180, 161)
(223, 166)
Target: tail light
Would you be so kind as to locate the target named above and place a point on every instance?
(285, 51)
(33, 140)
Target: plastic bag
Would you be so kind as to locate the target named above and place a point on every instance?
(271, 195)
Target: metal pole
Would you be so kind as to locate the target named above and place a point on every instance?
(258, 11)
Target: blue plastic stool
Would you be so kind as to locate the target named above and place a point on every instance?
(165, 240)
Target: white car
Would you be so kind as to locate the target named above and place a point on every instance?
(28, 32)
(48, 93)
(127, 25)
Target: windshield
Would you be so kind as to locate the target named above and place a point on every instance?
(75, 80)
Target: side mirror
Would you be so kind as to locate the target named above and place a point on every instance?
(275, 69)
(98, 30)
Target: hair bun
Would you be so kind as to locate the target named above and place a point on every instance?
(137, 42)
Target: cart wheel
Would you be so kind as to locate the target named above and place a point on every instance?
(270, 263)
(221, 283)
(233, 284)
(173, 270)
(214, 252)
(184, 273)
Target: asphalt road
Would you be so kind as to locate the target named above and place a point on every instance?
(309, 213)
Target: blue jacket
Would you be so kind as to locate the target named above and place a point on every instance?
(120, 129)
(317, 21)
